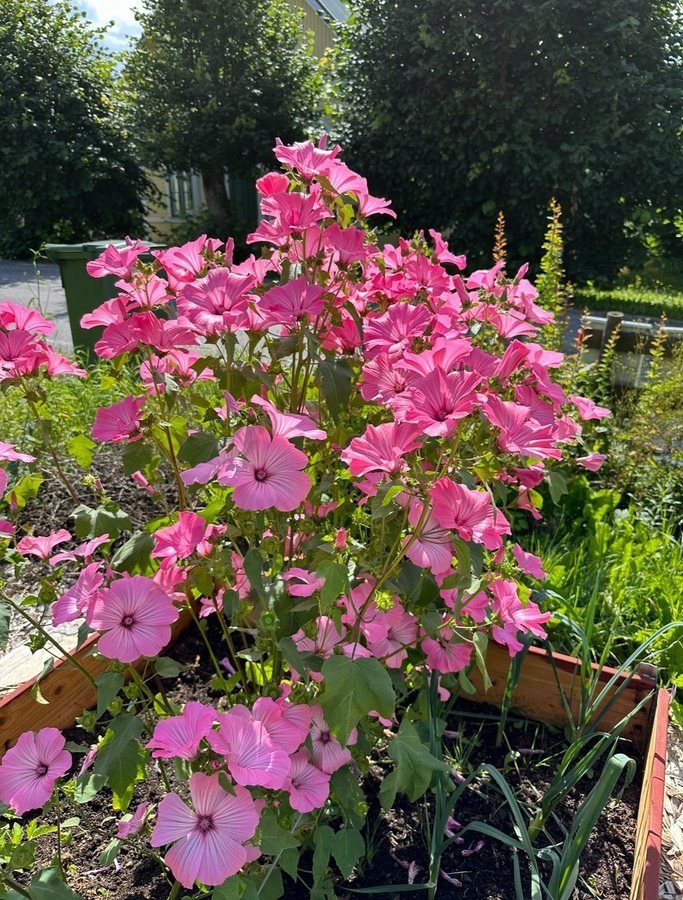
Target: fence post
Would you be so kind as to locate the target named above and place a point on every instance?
(612, 321)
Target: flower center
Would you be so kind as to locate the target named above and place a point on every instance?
(42, 769)
(205, 823)
(325, 737)
(128, 621)
(260, 474)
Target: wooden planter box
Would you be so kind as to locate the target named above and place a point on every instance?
(537, 696)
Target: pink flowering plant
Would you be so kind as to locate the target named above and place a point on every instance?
(338, 438)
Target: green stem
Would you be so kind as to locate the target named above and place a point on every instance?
(48, 637)
(207, 644)
(277, 858)
(151, 696)
(48, 445)
(11, 883)
(58, 813)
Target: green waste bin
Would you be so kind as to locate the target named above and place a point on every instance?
(83, 292)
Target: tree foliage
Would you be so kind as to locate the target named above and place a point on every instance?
(68, 171)
(458, 108)
(214, 83)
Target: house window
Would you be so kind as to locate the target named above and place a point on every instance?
(180, 194)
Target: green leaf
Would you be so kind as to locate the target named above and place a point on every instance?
(289, 862)
(336, 582)
(121, 758)
(348, 848)
(108, 686)
(110, 852)
(81, 448)
(415, 766)
(135, 553)
(253, 568)
(167, 667)
(324, 842)
(336, 382)
(230, 889)
(557, 485)
(198, 448)
(5, 616)
(47, 885)
(273, 837)
(87, 786)
(481, 642)
(352, 688)
(136, 456)
(24, 490)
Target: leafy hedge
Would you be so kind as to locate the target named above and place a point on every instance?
(631, 300)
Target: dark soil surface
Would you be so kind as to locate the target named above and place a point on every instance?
(480, 867)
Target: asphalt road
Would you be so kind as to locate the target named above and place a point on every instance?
(43, 290)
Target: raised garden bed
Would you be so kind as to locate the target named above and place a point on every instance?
(537, 696)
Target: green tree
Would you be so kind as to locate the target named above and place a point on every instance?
(458, 108)
(213, 84)
(68, 169)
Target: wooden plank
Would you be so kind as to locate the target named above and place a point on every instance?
(647, 858)
(67, 691)
(538, 696)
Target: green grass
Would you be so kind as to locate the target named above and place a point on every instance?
(634, 300)
(636, 569)
(69, 405)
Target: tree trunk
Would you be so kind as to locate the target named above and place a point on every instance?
(217, 202)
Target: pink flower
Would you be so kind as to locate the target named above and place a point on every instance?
(519, 432)
(468, 512)
(29, 769)
(528, 563)
(8, 453)
(133, 823)
(272, 183)
(267, 472)
(217, 302)
(306, 158)
(24, 318)
(308, 787)
(389, 634)
(116, 260)
(42, 547)
(328, 753)
(438, 401)
(514, 616)
(394, 331)
(287, 304)
(289, 425)
(305, 583)
(588, 409)
(442, 254)
(433, 549)
(119, 422)
(385, 380)
(181, 735)
(250, 754)
(210, 838)
(592, 462)
(83, 551)
(287, 723)
(79, 597)
(381, 448)
(182, 264)
(136, 617)
(181, 540)
(445, 654)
